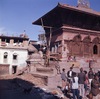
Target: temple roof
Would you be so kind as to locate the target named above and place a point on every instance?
(68, 7)
(80, 9)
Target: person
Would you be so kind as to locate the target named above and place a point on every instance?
(69, 58)
(90, 76)
(95, 87)
(69, 73)
(75, 86)
(64, 79)
(74, 58)
(86, 83)
(57, 66)
(81, 81)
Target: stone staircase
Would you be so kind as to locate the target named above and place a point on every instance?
(39, 70)
(49, 74)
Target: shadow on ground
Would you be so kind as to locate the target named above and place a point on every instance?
(20, 89)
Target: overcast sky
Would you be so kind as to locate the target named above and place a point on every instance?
(18, 15)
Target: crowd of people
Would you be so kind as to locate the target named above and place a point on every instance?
(82, 85)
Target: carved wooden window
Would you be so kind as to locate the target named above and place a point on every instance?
(87, 39)
(77, 38)
(95, 49)
(96, 40)
(76, 48)
(86, 48)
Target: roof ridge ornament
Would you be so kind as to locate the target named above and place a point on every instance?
(84, 3)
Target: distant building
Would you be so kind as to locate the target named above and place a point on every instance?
(35, 46)
(72, 29)
(13, 53)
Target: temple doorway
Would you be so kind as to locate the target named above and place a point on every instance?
(95, 49)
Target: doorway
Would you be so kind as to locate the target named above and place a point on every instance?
(95, 49)
(14, 69)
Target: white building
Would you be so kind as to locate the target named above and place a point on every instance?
(13, 53)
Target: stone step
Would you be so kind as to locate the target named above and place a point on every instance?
(49, 80)
(41, 63)
(41, 75)
(44, 69)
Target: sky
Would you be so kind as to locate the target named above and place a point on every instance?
(16, 16)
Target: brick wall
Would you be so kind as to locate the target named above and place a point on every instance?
(4, 69)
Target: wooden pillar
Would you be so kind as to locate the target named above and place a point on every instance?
(81, 49)
(98, 50)
(91, 49)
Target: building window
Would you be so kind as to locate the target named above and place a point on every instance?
(95, 49)
(5, 57)
(15, 56)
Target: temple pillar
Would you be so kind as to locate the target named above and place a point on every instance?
(71, 49)
(83, 48)
(99, 50)
(55, 49)
(52, 50)
(64, 51)
(91, 49)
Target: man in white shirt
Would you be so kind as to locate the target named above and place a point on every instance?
(75, 86)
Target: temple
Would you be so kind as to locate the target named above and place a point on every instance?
(72, 31)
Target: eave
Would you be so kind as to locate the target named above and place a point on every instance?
(67, 7)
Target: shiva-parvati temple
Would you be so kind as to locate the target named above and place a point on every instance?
(72, 31)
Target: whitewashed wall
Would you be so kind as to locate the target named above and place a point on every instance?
(21, 59)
